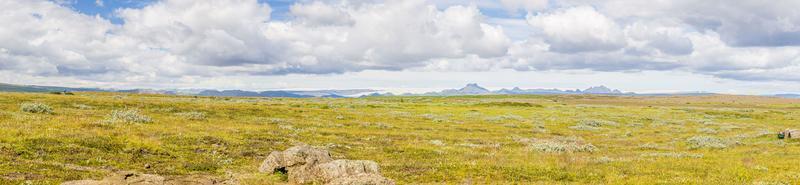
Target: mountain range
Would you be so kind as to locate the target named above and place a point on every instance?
(475, 89)
(199, 92)
(469, 89)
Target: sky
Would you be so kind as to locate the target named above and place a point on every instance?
(746, 47)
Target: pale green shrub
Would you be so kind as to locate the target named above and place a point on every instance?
(584, 127)
(82, 106)
(559, 145)
(195, 116)
(707, 142)
(707, 130)
(592, 125)
(39, 108)
(128, 116)
(673, 155)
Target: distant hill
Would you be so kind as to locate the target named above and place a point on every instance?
(33, 88)
(475, 89)
(788, 95)
(601, 90)
(290, 94)
(201, 92)
(470, 89)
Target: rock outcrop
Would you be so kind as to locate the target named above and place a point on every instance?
(308, 165)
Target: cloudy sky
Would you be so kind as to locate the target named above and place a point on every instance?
(746, 47)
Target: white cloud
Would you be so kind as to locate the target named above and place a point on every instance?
(319, 13)
(213, 33)
(665, 37)
(185, 40)
(578, 29)
(46, 38)
(391, 36)
(527, 5)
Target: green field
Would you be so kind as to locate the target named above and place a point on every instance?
(569, 139)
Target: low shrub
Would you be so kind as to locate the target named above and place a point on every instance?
(39, 108)
(597, 123)
(584, 128)
(510, 104)
(82, 106)
(673, 155)
(559, 145)
(708, 142)
(194, 116)
(128, 116)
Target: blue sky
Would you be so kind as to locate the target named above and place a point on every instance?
(748, 47)
(280, 8)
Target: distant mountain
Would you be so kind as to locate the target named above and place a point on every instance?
(33, 88)
(252, 94)
(475, 89)
(330, 93)
(517, 90)
(148, 91)
(290, 94)
(470, 89)
(787, 95)
(201, 92)
(601, 90)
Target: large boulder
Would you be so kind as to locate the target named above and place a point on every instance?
(297, 162)
(308, 165)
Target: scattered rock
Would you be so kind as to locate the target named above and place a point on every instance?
(133, 178)
(789, 134)
(308, 165)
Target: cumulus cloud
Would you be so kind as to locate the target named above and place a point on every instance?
(319, 13)
(46, 37)
(527, 5)
(214, 33)
(171, 40)
(665, 37)
(578, 29)
(743, 23)
(391, 36)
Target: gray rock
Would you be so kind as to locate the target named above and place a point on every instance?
(308, 165)
(791, 134)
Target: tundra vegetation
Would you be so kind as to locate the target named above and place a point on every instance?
(554, 139)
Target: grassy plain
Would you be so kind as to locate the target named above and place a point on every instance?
(417, 140)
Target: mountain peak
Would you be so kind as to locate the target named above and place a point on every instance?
(473, 88)
(601, 90)
(473, 85)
